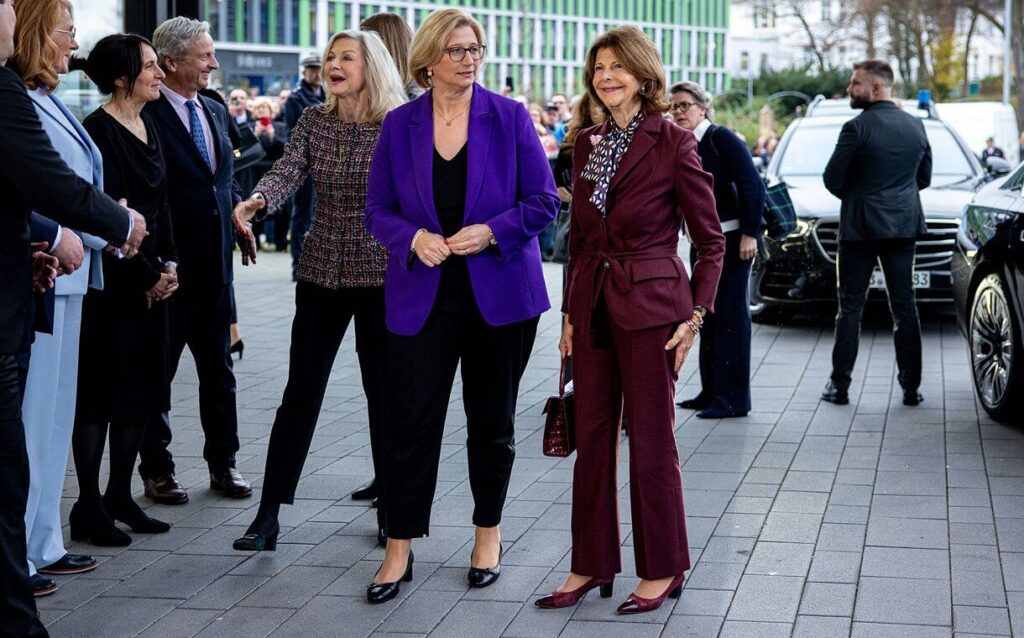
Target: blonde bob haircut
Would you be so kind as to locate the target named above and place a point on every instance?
(638, 54)
(36, 53)
(428, 45)
(397, 36)
(382, 84)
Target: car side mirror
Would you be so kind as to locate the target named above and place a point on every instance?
(997, 166)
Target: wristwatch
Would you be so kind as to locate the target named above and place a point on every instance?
(700, 310)
(262, 212)
(490, 239)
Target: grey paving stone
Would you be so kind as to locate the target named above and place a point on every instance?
(791, 528)
(471, 617)
(766, 599)
(828, 599)
(901, 506)
(589, 629)
(819, 626)
(993, 621)
(420, 612)
(180, 623)
(743, 525)
(532, 622)
(175, 576)
(980, 589)
(715, 576)
(896, 562)
(703, 602)
(883, 630)
(800, 502)
(292, 588)
(1013, 570)
(907, 532)
(780, 559)
(841, 538)
(835, 567)
(886, 600)
(332, 616)
(112, 616)
(225, 592)
(738, 629)
(684, 626)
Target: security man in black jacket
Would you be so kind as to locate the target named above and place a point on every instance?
(880, 163)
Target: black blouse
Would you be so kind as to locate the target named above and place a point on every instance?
(450, 203)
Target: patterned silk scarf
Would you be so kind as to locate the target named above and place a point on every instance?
(605, 158)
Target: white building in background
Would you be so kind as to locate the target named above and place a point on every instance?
(764, 34)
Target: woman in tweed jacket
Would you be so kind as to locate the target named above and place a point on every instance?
(341, 271)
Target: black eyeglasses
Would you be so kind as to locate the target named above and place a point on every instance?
(458, 53)
(682, 106)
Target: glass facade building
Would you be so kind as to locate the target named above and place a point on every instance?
(540, 44)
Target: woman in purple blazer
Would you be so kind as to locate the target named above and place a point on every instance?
(459, 190)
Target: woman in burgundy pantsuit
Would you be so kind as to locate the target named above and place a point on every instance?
(631, 316)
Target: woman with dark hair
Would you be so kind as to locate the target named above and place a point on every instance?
(123, 377)
(631, 316)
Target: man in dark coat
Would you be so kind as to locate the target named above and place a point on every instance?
(32, 176)
(880, 163)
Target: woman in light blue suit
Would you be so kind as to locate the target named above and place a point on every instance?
(44, 40)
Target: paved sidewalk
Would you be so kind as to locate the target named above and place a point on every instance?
(808, 519)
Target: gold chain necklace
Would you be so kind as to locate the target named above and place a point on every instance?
(448, 122)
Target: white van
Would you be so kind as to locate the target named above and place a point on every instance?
(977, 121)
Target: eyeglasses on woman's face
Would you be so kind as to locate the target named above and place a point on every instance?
(71, 32)
(683, 106)
(458, 53)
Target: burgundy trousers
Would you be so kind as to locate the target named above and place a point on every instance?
(618, 372)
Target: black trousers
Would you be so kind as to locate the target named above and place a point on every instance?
(18, 616)
(321, 319)
(855, 263)
(200, 318)
(725, 336)
(422, 372)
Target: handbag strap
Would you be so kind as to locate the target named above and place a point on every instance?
(561, 377)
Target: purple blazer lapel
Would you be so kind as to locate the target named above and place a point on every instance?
(421, 151)
(479, 142)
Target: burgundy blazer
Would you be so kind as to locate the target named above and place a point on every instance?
(630, 257)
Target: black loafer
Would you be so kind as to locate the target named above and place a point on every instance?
(230, 483)
(42, 586)
(912, 397)
(367, 492)
(378, 593)
(484, 577)
(70, 564)
(696, 403)
(165, 490)
(832, 394)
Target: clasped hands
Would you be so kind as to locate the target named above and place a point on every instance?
(164, 287)
(432, 249)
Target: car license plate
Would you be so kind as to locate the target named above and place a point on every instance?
(922, 279)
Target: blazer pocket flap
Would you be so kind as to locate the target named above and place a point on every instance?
(653, 269)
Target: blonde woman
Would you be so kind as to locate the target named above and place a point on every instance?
(459, 190)
(341, 272)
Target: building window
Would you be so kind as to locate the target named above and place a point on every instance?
(826, 11)
(744, 60)
(764, 15)
(764, 62)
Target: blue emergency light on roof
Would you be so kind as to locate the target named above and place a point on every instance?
(924, 99)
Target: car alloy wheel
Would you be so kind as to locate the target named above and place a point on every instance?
(994, 348)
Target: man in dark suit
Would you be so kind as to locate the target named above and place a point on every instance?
(880, 163)
(32, 176)
(202, 194)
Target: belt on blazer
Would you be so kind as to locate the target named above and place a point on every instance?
(612, 262)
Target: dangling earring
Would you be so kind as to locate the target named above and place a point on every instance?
(643, 88)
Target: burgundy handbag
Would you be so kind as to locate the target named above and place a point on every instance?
(560, 426)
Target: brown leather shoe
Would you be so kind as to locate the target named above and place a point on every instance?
(230, 483)
(166, 490)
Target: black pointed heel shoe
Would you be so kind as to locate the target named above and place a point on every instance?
(94, 525)
(129, 513)
(260, 537)
(481, 577)
(378, 593)
(239, 347)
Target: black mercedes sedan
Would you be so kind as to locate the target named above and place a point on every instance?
(801, 268)
(988, 288)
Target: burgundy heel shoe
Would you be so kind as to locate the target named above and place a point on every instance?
(560, 599)
(637, 605)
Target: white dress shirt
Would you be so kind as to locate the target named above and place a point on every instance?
(178, 103)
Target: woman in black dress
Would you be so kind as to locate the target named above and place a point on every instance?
(123, 364)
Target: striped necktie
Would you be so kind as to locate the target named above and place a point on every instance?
(197, 132)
